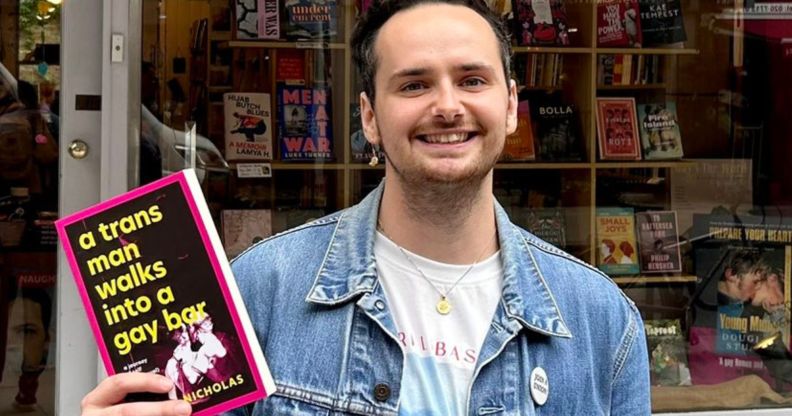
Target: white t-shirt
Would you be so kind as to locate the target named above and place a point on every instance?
(440, 350)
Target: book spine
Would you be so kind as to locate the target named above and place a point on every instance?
(269, 19)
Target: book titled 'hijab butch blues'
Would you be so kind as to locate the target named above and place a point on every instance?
(160, 296)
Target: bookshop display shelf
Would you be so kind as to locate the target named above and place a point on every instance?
(577, 84)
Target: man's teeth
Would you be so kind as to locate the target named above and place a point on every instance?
(445, 138)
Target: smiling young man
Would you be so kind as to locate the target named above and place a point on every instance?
(425, 298)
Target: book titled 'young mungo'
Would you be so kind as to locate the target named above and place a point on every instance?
(160, 296)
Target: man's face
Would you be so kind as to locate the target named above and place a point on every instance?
(442, 108)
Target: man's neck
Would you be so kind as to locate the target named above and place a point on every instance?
(454, 225)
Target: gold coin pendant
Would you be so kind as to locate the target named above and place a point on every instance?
(443, 306)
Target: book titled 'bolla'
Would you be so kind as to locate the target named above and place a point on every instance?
(160, 296)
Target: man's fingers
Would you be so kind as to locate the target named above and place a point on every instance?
(112, 390)
(166, 408)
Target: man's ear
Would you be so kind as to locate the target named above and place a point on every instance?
(368, 120)
(511, 111)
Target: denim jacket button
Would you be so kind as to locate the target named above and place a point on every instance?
(380, 305)
(382, 392)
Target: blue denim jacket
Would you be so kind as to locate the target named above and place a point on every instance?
(330, 340)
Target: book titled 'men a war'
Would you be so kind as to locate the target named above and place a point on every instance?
(160, 296)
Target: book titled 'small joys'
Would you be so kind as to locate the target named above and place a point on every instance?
(160, 296)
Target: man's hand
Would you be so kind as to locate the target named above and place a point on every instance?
(107, 398)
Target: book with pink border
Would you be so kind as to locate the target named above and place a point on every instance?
(160, 296)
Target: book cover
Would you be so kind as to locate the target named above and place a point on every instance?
(160, 296)
(540, 22)
(557, 128)
(617, 129)
(244, 227)
(290, 66)
(616, 252)
(662, 22)
(268, 19)
(741, 305)
(519, 146)
(618, 23)
(361, 149)
(667, 352)
(658, 242)
(548, 224)
(246, 15)
(660, 135)
(248, 126)
(311, 19)
(304, 122)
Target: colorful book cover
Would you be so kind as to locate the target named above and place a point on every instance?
(160, 296)
(548, 224)
(304, 122)
(268, 19)
(616, 252)
(658, 242)
(618, 23)
(617, 129)
(311, 19)
(519, 146)
(662, 22)
(248, 126)
(741, 305)
(540, 22)
(246, 14)
(667, 352)
(244, 227)
(660, 136)
(557, 131)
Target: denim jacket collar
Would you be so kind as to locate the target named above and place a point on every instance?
(349, 268)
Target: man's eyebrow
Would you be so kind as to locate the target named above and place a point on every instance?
(466, 67)
(410, 72)
(475, 66)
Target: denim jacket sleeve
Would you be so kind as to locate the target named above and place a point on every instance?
(630, 394)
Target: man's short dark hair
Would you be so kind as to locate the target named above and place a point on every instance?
(743, 262)
(369, 25)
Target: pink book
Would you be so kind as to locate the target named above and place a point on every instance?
(160, 296)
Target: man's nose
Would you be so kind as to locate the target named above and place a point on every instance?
(448, 104)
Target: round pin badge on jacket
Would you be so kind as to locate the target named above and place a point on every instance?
(540, 387)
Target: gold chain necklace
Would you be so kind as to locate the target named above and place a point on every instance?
(443, 306)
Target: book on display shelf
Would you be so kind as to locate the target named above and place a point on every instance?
(618, 23)
(660, 135)
(617, 129)
(540, 22)
(304, 122)
(616, 245)
(662, 22)
(160, 295)
(741, 305)
(248, 126)
(658, 242)
(244, 227)
(668, 364)
(519, 146)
